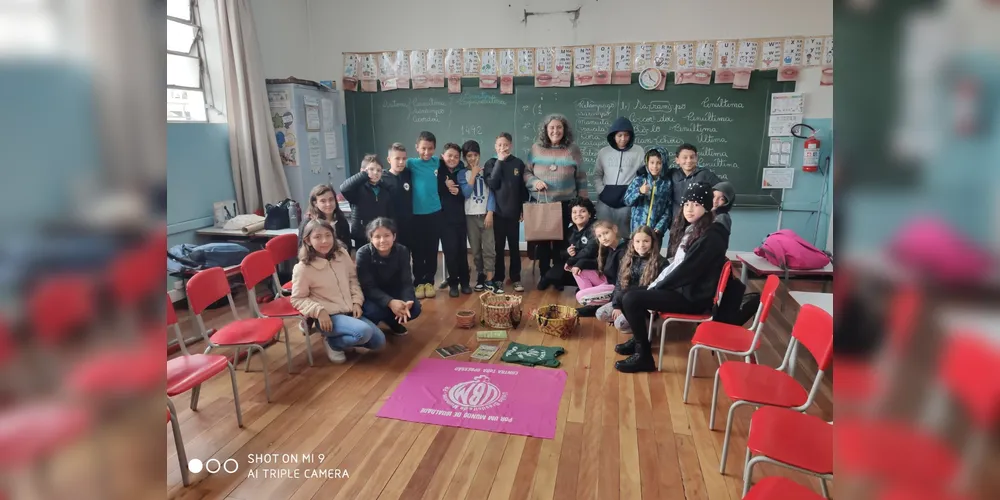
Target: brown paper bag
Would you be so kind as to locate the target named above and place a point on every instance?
(543, 221)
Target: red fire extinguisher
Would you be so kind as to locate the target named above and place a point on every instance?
(811, 147)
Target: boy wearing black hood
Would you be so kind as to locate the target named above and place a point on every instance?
(617, 164)
(723, 197)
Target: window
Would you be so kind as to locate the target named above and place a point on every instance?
(185, 63)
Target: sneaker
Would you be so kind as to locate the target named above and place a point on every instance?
(626, 348)
(543, 284)
(336, 357)
(398, 329)
(518, 287)
(465, 289)
(497, 287)
(418, 291)
(453, 291)
(480, 283)
(444, 285)
(429, 291)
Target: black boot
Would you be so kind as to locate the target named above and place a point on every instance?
(453, 292)
(626, 348)
(587, 311)
(641, 361)
(543, 283)
(465, 289)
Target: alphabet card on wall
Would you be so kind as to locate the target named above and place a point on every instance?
(351, 64)
(508, 68)
(564, 67)
(812, 51)
(703, 62)
(643, 57)
(725, 61)
(453, 70)
(472, 63)
(602, 64)
(826, 78)
(525, 62)
(545, 65)
(369, 73)
(387, 70)
(791, 60)
(746, 61)
(622, 72)
(435, 68)
(488, 69)
(770, 55)
(583, 66)
(684, 62)
(402, 69)
(418, 69)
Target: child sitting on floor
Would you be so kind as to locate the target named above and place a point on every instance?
(596, 276)
(638, 268)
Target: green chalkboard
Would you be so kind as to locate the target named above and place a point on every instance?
(728, 126)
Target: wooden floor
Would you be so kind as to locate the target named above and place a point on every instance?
(618, 436)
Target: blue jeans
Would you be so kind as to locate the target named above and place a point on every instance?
(349, 331)
(378, 314)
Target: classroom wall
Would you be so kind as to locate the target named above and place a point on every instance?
(306, 38)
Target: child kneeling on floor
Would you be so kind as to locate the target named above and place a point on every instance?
(638, 268)
(386, 279)
(325, 287)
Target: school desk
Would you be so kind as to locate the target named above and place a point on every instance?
(760, 266)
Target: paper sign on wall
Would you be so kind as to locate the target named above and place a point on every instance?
(387, 70)
(369, 73)
(328, 122)
(330, 139)
(781, 125)
(770, 55)
(563, 67)
(663, 56)
(351, 64)
(525, 62)
(435, 68)
(488, 69)
(622, 72)
(402, 69)
(787, 103)
(602, 64)
(418, 69)
(780, 152)
(583, 66)
(643, 57)
(315, 152)
(778, 178)
(472, 63)
(507, 64)
(725, 61)
(812, 51)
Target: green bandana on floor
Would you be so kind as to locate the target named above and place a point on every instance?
(532, 355)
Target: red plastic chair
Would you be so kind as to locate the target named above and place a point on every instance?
(188, 371)
(688, 318)
(790, 439)
(903, 453)
(211, 285)
(60, 306)
(178, 442)
(758, 385)
(282, 248)
(256, 268)
(780, 488)
(723, 338)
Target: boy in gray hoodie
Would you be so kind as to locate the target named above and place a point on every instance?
(617, 164)
(723, 197)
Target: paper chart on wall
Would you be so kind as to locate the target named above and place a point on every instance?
(781, 125)
(402, 69)
(643, 57)
(330, 140)
(787, 103)
(583, 66)
(778, 178)
(770, 54)
(277, 98)
(315, 152)
(602, 64)
(812, 51)
(780, 152)
(622, 73)
(725, 60)
(328, 121)
(312, 113)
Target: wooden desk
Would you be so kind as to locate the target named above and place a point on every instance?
(236, 233)
(823, 301)
(760, 265)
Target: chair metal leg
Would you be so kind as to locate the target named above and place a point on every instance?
(236, 395)
(715, 399)
(250, 355)
(236, 356)
(309, 345)
(692, 356)
(288, 348)
(649, 331)
(194, 397)
(663, 339)
(267, 382)
(748, 473)
(179, 443)
(729, 430)
(823, 488)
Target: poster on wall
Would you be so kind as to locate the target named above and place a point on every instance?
(525, 62)
(453, 70)
(330, 140)
(791, 60)
(488, 69)
(435, 68)
(418, 69)
(312, 113)
(770, 55)
(683, 63)
(704, 61)
(508, 68)
(812, 51)
(315, 152)
(369, 73)
(328, 118)
(602, 64)
(725, 61)
(544, 66)
(583, 66)
(746, 61)
(781, 125)
(387, 71)
(471, 63)
(643, 57)
(351, 64)
(402, 69)
(826, 77)
(563, 75)
(622, 72)
(778, 178)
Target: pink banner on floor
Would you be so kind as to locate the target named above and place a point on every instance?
(512, 399)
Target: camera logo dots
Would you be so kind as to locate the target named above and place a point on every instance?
(212, 466)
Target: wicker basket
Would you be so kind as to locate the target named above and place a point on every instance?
(556, 320)
(465, 318)
(502, 312)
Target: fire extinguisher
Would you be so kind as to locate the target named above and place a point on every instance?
(811, 148)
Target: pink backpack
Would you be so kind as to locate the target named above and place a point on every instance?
(788, 250)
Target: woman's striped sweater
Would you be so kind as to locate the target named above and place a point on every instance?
(567, 181)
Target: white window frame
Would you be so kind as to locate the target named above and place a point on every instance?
(197, 52)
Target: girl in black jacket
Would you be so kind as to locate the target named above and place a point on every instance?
(369, 197)
(640, 264)
(687, 286)
(386, 278)
(596, 276)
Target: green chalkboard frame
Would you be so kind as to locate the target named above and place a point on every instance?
(373, 118)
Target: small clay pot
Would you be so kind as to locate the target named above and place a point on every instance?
(465, 318)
